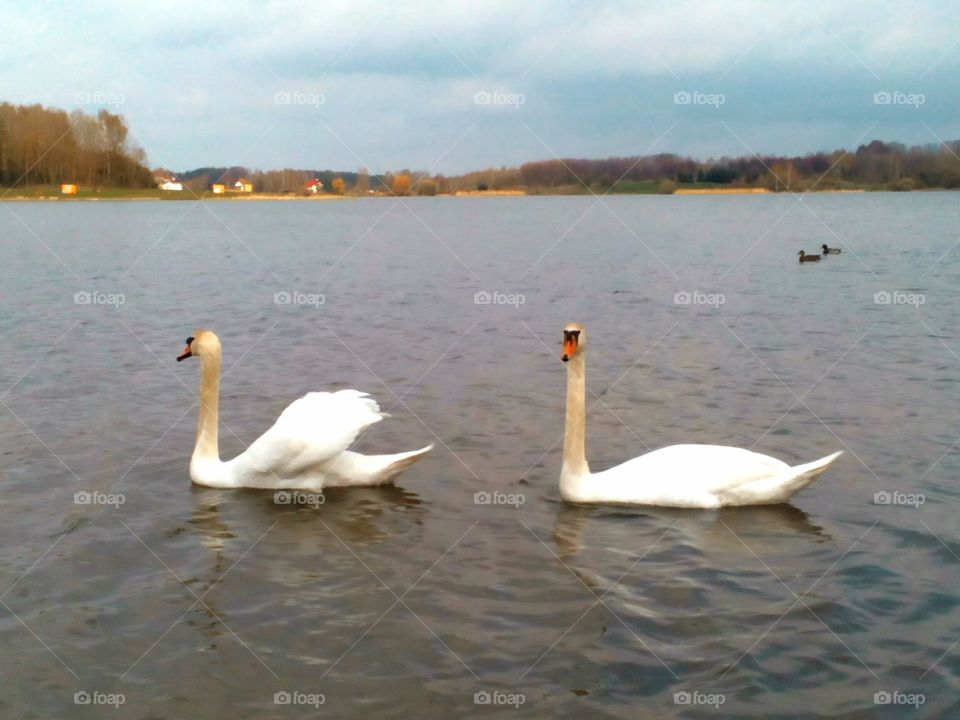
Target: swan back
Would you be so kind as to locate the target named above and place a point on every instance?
(699, 476)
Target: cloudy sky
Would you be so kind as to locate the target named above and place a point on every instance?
(453, 86)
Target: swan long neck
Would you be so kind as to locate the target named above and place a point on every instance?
(574, 438)
(208, 446)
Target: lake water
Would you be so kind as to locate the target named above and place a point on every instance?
(406, 601)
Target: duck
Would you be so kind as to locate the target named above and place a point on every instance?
(808, 258)
(305, 449)
(680, 476)
(830, 250)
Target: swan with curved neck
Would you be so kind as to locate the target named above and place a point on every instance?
(692, 476)
(305, 449)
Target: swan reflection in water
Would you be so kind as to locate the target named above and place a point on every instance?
(708, 530)
(295, 540)
(681, 582)
(354, 515)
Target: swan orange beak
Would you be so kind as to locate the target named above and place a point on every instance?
(187, 351)
(569, 347)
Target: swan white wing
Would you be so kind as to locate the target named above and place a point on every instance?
(685, 475)
(309, 432)
(713, 468)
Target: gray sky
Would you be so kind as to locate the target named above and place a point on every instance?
(454, 86)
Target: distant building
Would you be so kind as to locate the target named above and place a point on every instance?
(170, 184)
(218, 189)
(314, 186)
(68, 189)
(243, 186)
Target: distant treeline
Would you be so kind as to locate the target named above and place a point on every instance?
(878, 165)
(46, 146)
(273, 181)
(41, 145)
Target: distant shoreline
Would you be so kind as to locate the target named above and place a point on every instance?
(751, 191)
(122, 194)
(720, 191)
(162, 196)
(494, 193)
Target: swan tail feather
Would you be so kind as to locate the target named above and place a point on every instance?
(353, 468)
(781, 487)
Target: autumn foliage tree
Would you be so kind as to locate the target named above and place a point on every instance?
(401, 184)
(427, 187)
(338, 186)
(41, 145)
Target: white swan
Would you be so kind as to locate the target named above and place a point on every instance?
(305, 449)
(692, 476)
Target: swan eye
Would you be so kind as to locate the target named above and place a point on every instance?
(189, 340)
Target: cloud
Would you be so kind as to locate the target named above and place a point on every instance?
(398, 81)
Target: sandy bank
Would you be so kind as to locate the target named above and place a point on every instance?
(720, 191)
(489, 193)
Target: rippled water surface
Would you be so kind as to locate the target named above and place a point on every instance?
(406, 601)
